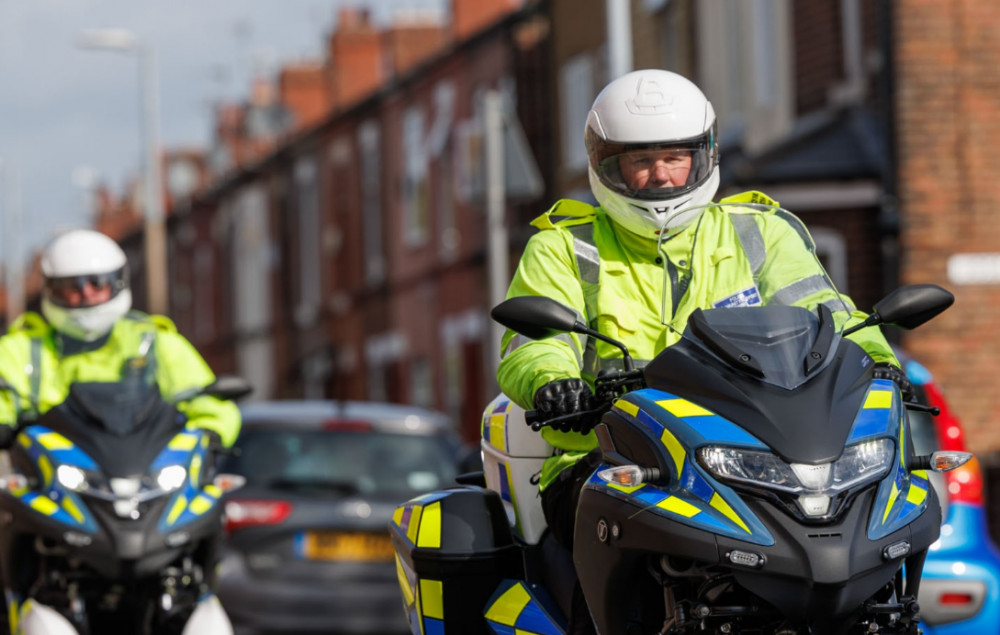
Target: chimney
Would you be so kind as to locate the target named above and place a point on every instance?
(355, 60)
(468, 17)
(261, 92)
(413, 38)
(302, 91)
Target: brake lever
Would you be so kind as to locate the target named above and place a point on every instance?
(532, 418)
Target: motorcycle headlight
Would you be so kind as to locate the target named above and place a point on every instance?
(860, 463)
(749, 466)
(171, 477)
(71, 478)
(83, 481)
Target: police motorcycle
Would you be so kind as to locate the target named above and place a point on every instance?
(756, 478)
(110, 515)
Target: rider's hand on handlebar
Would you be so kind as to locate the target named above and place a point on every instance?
(565, 397)
(885, 370)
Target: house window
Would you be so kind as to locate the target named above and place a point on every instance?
(421, 383)
(204, 293)
(831, 248)
(369, 143)
(746, 69)
(251, 262)
(309, 234)
(576, 82)
(415, 203)
(440, 145)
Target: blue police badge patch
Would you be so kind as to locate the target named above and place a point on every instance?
(746, 297)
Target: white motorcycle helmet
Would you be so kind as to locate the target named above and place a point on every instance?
(86, 286)
(647, 118)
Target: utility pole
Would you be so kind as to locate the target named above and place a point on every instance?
(497, 243)
(619, 33)
(154, 228)
(11, 244)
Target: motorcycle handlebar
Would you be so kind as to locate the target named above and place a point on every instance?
(608, 386)
(533, 419)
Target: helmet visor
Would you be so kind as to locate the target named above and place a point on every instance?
(75, 292)
(653, 171)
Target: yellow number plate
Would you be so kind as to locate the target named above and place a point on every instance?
(353, 546)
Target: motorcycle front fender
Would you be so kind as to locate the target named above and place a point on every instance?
(208, 619)
(39, 619)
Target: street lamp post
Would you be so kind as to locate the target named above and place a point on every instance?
(154, 229)
(10, 222)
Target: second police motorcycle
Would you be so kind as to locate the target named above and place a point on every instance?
(755, 479)
(110, 514)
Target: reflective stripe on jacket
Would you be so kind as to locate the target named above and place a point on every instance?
(30, 360)
(614, 280)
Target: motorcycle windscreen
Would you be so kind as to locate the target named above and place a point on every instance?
(744, 283)
(118, 407)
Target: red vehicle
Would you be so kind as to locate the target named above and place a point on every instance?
(960, 589)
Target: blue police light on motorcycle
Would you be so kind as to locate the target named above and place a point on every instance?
(896, 550)
(177, 538)
(746, 558)
(77, 539)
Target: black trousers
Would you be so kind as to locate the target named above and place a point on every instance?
(559, 501)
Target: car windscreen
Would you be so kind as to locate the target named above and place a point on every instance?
(366, 463)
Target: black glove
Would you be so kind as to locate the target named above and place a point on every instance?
(885, 370)
(566, 397)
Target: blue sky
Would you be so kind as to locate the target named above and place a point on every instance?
(70, 116)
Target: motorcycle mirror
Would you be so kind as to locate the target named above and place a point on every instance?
(538, 317)
(908, 307)
(940, 461)
(228, 387)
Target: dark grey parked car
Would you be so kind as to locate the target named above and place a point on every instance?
(308, 545)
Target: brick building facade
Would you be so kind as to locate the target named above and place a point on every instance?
(347, 260)
(947, 106)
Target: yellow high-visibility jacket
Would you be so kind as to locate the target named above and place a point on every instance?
(32, 362)
(615, 280)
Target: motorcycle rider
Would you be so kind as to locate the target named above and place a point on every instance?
(653, 156)
(88, 333)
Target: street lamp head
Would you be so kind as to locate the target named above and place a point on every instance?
(113, 39)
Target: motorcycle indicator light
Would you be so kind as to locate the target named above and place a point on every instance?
(229, 482)
(628, 475)
(14, 483)
(945, 461)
